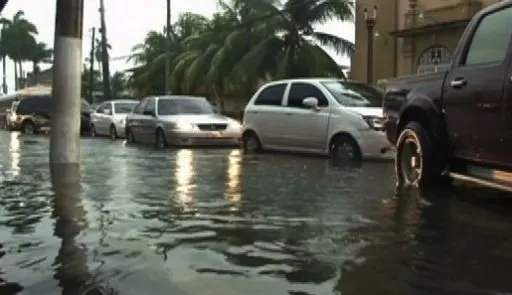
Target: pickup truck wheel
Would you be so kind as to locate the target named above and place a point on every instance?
(414, 162)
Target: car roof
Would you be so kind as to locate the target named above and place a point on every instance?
(306, 80)
(124, 100)
(178, 97)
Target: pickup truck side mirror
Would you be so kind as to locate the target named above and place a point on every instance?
(106, 111)
(310, 103)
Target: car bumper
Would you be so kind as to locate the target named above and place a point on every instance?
(375, 145)
(204, 138)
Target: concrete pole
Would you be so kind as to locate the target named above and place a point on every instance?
(104, 54)
(91, 67)
(168, 49)
(66, 84)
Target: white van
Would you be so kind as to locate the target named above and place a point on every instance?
(332, 117)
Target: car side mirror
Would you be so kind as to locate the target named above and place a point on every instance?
(106, 112)
(310, 103)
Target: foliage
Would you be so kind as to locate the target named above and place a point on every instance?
(18, 42)
(246, 43)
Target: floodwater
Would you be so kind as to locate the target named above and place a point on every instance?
(217, 222)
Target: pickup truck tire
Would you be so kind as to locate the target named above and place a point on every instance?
(415, 163)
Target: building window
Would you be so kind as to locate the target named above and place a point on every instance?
(433, 59)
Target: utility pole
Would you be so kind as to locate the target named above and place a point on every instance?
(104, 54)
(168, 49)
(66, 84)
(91, 66)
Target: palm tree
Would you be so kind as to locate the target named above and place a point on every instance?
(38, 52)
(293, 48)
(151, 55)
(118, 82)
(3, 56)
(19, 34)
(98, 53)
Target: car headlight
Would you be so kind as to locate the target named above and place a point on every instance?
(121, 121)
(183, 126)
(375, 123)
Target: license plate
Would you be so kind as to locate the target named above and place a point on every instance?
(215, 134)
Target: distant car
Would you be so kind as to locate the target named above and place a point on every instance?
(332, 117)
(32, 114)
(110, 116)
(180, 121)
(85, 116)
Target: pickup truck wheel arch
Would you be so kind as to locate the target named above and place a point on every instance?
(414, 114)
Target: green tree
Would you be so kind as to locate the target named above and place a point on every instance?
(292, 49)
(248, 42)
(119, 84)
(37, 53)
(19, 35)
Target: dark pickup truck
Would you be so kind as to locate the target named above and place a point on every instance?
(457, 124)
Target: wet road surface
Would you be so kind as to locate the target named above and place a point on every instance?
(218, 222)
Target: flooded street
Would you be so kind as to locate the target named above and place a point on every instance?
(217, 222)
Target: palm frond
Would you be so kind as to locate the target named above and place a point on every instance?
(340, 45)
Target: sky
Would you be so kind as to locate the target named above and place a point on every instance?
(127, 25)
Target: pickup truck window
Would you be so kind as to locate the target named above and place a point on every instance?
(491, 39)
(354, 94)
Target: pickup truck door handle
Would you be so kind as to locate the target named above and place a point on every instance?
(288, 114)
(458, 83)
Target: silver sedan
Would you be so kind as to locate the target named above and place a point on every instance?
(109, 117)
(180, 121)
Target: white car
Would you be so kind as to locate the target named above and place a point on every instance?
(109, 118)
(332, 117)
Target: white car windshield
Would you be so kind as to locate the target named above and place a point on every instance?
(354, 94)
(184, 106)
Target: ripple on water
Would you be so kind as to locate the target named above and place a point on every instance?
(219, 222)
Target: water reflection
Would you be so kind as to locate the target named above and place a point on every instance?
(233, 192)
(71, 263)
(71, 270)
(15, 153)
(184, 177)
(430, 246)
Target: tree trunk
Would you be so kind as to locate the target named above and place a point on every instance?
(15, 76)
(219, 102)
(35, 74)
(22, 76)
(4, 81)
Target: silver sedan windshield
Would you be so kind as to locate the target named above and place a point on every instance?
(184, 106)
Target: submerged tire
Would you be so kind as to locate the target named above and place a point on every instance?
(251, 143)
(415, 163)
(344, 150)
